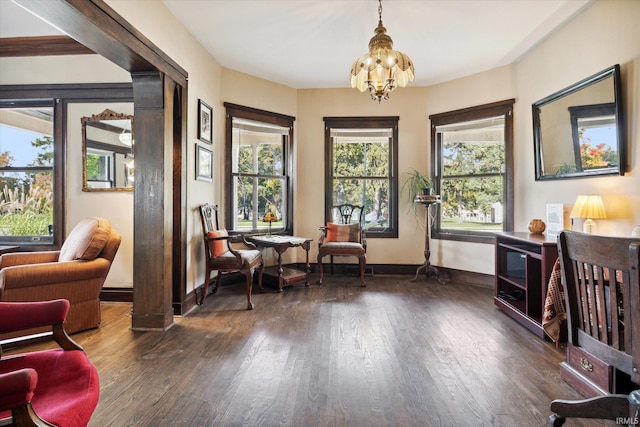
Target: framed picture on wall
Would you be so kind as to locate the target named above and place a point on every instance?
(205, 120)
(204, 164)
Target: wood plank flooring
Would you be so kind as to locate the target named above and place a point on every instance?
(396, 353)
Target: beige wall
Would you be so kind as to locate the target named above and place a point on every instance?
(604, 34)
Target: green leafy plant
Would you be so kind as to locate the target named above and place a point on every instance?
(415, 183)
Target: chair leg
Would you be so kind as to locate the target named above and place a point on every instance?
(249, 275)
(331, 256)
(362, 261)
(320, 269)
(205, 288)
(260, 271)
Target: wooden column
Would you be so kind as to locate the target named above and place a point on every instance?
(153, 210)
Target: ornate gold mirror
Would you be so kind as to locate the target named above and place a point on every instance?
(107, 152)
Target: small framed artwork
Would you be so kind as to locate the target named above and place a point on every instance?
(205, 122)
(204, 164)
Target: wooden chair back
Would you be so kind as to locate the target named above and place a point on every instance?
(347, 214)
(602, 294)
(209, 217)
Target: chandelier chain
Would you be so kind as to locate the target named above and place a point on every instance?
(380, 10)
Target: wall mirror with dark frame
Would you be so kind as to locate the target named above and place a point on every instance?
(578, 131)
(107, 152)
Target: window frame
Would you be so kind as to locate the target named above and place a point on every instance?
(370, 122)
(35, 103)
(484, 111)
(254, 114)
(61, 95)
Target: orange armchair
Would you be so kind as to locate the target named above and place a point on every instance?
(57, 387)
(76, 272)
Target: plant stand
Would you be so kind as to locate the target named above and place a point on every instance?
(429, 269)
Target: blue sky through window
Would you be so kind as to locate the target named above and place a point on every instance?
(18, 143)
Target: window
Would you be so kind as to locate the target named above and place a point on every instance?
(259, 161)
(472, 163)
(361, 168)
(26, 172)
(33, 126)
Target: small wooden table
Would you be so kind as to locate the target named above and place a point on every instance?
(7, 249)
(280, 244)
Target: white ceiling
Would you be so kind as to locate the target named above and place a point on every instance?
(313, 43)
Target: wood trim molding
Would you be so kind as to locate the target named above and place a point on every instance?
(41, 46)
(101, 29)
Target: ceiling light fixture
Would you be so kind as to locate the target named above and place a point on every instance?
(125, 138)
(381, 69)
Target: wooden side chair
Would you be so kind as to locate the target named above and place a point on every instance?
(344, 236)
(223, 258)
(54, 387)
(602, 295)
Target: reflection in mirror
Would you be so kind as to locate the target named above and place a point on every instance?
(578, 132)
(107, 152)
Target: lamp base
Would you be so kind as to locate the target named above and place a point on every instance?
(589, 226)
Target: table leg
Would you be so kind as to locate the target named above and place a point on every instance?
(280, 270)
(306, 246)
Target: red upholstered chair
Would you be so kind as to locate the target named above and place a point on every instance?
(58, 387)
(344, 236)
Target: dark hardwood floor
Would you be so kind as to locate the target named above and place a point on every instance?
(396, 353)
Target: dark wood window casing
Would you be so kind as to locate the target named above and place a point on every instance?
(267, 117)
(500, 108)
(390, 229)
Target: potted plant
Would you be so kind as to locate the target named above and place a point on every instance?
(415, 184)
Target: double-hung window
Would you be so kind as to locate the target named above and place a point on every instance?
(259, 166)
(472, 163)
(361, 165)
(26, 172)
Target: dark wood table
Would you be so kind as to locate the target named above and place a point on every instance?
(7, 249)
(285, 276)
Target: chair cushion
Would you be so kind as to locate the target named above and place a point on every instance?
(342, 232)
(217, 247)
(68, 385)
(86, 240)
(351, 246)
(247, 255)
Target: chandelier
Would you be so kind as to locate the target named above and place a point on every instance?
(381, 69)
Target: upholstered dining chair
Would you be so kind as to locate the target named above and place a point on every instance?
(222, 257)
(344, 235)
(53, 387)
(602, 297)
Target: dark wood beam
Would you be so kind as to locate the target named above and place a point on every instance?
(98, 27)
(41, 46)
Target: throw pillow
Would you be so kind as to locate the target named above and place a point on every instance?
(217, 247)
(342, 232)
(86, 240)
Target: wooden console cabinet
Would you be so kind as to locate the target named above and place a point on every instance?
(524, 262)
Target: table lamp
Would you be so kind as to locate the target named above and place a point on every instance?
(270, 217)
(589, 206)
